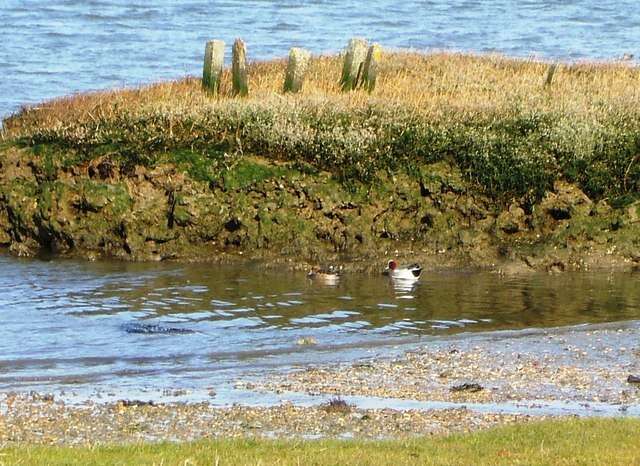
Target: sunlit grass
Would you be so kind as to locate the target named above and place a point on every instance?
(430, 84)
(584, 442)
(491, 115)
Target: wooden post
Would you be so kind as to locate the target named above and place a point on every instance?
(296, 69)
(354, 58)
(371, 64)
(239, 69)
(550, 72)
(213, 63)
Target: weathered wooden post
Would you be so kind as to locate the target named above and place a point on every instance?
(239, 69)
(550, 72)
(296, 69)
(371, 64)
(213, 63)
(354, 58)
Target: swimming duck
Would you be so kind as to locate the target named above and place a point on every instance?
(410, 272)
(329, 275)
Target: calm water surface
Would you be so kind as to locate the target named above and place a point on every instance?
(64, 323)
(57, 47)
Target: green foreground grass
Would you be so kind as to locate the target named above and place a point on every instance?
(591, 441)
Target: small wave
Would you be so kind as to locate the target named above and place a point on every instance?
(98, 17)
(284, 26)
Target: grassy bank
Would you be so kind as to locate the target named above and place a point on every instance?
(593, 441)
(453, 160)
(491, 116)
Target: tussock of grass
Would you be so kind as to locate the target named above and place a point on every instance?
(490, 115)
(337, 405)
(593, 441)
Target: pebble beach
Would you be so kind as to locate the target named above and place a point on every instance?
(487, 380)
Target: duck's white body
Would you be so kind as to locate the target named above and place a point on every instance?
(410, 272)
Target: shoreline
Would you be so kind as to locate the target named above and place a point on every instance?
(580, 365)
(26, 419)
(524, 376)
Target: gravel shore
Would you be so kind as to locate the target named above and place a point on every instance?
(586, 366)
(33, 420)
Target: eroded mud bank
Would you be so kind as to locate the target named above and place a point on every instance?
(288, 212)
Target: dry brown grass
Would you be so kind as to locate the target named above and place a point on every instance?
(430, 84)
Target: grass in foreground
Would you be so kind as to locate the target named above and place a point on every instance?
(591, 441)
(490, 115)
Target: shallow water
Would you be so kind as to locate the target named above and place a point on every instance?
(227, 396)
(64, 323)
(54, 48)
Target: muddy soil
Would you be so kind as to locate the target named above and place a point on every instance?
(282, 213)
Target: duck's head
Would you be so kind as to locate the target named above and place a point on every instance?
(392, 265)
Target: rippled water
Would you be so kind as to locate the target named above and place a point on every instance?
(53, 48)
(64, 323)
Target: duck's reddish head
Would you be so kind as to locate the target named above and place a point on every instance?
(392, 265)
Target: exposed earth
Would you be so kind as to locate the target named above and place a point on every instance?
(283, 212)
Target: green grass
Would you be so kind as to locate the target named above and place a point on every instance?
(247, 173)
(592, 441)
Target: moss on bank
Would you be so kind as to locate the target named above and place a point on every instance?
(462, 156)
(258, 208)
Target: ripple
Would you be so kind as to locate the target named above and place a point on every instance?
(66, 313)
(220, 303)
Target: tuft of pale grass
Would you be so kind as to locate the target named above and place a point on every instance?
(490, 115)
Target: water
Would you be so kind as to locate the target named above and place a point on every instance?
(54, 48)
(64, 323)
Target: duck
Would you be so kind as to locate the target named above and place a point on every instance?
(410, 272)
(329, 275)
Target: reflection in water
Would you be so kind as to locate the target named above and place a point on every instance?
(404, 287)
(66, 321)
